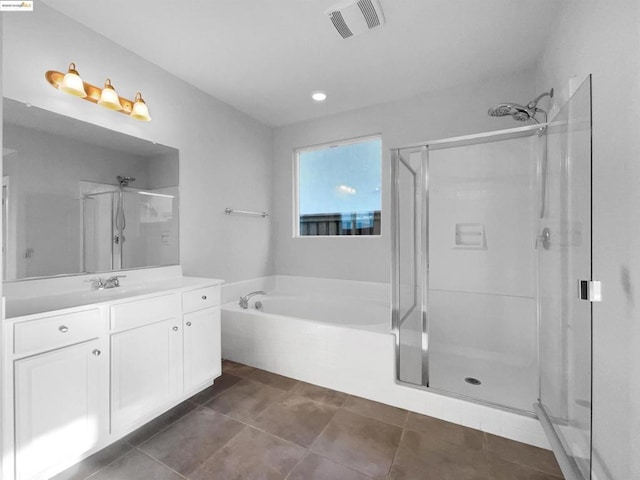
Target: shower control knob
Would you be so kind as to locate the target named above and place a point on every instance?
(63, 328)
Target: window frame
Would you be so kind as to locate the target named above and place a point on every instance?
(296, 182)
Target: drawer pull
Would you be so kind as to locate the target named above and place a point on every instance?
(204, 297)
(96, 352)
(63, 328)
(175, 329)
(188, 324)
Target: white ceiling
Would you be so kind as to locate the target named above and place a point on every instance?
(265, 57)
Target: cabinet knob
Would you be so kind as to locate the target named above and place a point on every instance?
(204, 297)
(188, 324)
(96, 352)
(175, 329)
(63, 328)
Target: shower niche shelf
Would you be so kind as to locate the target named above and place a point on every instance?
(470, 236)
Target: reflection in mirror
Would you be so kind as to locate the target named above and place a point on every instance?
(78, 198)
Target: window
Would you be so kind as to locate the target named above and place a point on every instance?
(339, 188)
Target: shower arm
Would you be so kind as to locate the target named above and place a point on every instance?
(533, 103)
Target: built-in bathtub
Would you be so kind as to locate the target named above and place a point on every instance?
(337, 334)
(339, 311)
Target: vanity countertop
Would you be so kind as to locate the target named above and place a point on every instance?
(32, 305)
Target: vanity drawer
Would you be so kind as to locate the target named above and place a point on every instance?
(142, 312)
(201, 298)
(57, 331)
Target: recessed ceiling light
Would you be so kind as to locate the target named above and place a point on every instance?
(319, 96)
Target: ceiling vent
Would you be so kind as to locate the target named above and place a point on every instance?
(356, 16)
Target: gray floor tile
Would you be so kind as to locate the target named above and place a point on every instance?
(296, 419)
(350, 438)
(187, 443)
(523, 454)
(273, 380)
(246, 400)
(158, 424)
(136, 466)
(251, 455)
(377, 410)
(500, 469)
(95, 462)
(315, 467)
(320, 394)
(236, 369)
(423, 456)
(446, 431)
(220, 384)
(358, 442)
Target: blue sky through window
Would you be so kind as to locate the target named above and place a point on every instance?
(341, 179)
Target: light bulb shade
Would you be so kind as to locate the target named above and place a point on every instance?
(72, 83)
(109, 98)
(140, 110)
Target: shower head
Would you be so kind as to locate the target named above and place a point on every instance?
(506, 109)
(124, 181)
(521, 113)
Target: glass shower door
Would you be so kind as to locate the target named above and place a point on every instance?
(564, 259)
(481, 294)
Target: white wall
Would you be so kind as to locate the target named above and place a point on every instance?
(602, 38)
(225, 156)
(453, 112)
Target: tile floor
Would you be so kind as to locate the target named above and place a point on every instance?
(254, 424)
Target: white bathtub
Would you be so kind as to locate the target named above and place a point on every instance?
(343, 343)
(337, 342)
(338, 311)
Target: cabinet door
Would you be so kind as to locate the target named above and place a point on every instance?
(201, 347)
(60, 406)
(146, 371)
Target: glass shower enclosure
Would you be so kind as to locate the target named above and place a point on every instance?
(491, 241)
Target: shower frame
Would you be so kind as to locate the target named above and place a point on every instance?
(421, 236)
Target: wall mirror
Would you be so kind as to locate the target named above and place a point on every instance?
(79, 198)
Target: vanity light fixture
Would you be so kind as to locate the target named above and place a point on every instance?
(140, 110)
(107, 97)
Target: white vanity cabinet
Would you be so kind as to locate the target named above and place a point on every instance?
(78, 378)
(202, 333)
(146, 358)
(61, 388)
(162, 351)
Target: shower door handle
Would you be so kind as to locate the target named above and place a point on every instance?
(590, 290)
(544, 238)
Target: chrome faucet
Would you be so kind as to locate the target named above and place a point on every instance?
(244, 301)
(101, 283)
(113, 282)
(97, 283)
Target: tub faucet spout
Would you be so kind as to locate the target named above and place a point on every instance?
(244, 301)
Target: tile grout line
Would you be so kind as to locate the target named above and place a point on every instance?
(395, 454)
(110, 463)
(330, 459)
(166, 426)
(160, 463)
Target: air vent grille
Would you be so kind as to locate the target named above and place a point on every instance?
(340, 24)
(369, 12)
(354, 17)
